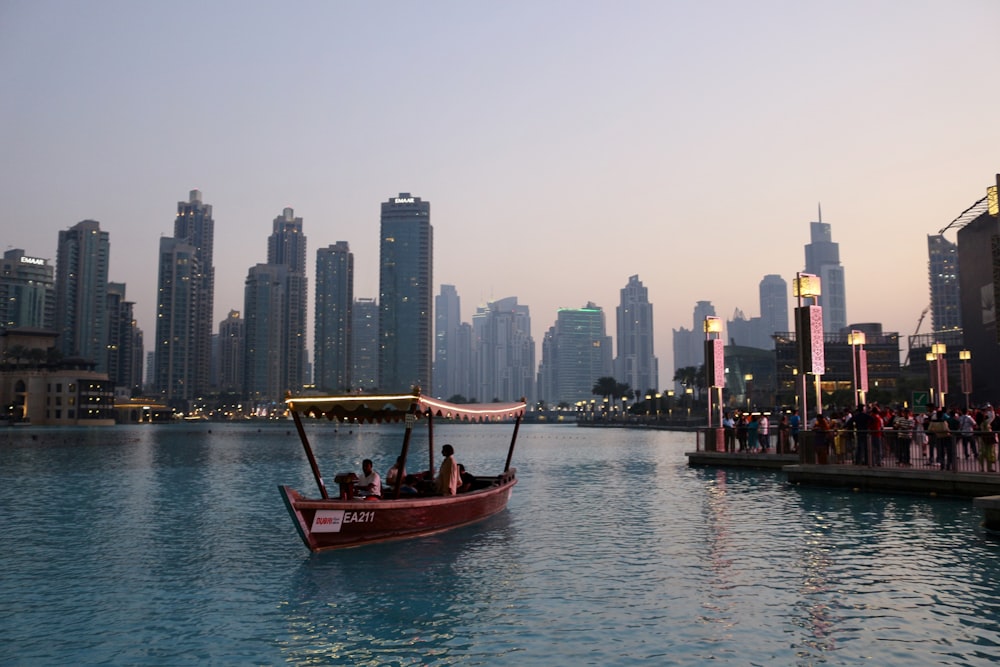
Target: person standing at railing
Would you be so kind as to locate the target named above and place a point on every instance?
(860, 422)
(937, 428)
(987, 443)
(920, 434)
(794, 426)
(876, 425)
(753, 431)
(764, 432)
(967, 428)
(904, 425)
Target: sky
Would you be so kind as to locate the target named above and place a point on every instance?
(563, 145)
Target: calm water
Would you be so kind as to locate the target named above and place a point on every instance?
(169, 545)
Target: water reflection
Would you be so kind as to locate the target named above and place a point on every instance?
(399, 603)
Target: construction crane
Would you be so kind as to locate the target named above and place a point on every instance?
(920, 321)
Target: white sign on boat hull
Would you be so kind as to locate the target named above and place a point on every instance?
(328, 521)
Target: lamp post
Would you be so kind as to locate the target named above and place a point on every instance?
(748, 387)
(965, 357)
(809, 334)
(689, 398)
(859, 365)
(940, 350)
(715, 366)
(670, 404)
(933, 376)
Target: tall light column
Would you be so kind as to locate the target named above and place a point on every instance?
(859, 365)
(809, 335)
(965, 356)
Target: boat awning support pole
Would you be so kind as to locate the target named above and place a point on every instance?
(513, 439)
(309, 452)
(410, 419)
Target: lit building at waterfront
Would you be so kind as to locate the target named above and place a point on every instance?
(81, 292)
(364, 344)
(636, 364)
(503, 352)
(576, 352)
(27, 291)
(406, 321)
(333, 321)
(184, 304)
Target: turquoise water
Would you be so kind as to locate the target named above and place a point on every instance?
(169, 545)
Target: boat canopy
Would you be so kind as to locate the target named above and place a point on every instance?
(394, 407)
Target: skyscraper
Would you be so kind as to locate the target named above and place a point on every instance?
(447, 323)
(773, 306)
(184, 304)
(124, 350)
(406, 343)
(942, 267)
(364, 344)
(333, 321)
(504, 354)
(636, 364)
(82, 291)
(576, 352)
(265, 300)
(231, 349)
(27, 292)
(823, 260)
(287, 247)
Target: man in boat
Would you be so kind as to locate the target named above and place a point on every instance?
(449, 477)
(370, 484)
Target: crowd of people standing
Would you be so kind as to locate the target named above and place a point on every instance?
(873, 435)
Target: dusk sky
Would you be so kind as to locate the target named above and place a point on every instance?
(563, 146)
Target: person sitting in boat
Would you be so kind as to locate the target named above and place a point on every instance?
(449, 477)
(466, 479)
(396, 473)
(370, 484)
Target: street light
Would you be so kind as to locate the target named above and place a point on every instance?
(670, 404)
(933, 374)
(965, 357)
(939, 350)
(859, 365)
(748, 386)
(809, 333)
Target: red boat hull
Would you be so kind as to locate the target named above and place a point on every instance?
(326, 524)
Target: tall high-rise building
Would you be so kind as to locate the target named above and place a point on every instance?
(773, 306)
(333, 321)
(636, 364)
(406, 321)
(265, 303)
(184, 304)
(364, 344)
(447, 361)
(27, 292)
(124, 342)
(576, 352)
(946, 306)
(82, 291)
(823, 260)
(287, 247)
(231, 349)
(504, 352)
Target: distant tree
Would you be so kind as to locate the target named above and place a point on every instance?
(458, 398)
(605, 387)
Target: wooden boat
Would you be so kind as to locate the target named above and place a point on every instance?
(326, 523)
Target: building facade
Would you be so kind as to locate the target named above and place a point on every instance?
(265, 303)
(81, 289)
(773, 306)
(287, 247)
(27, 292)
(576, 352)
(636, 363)
(942, 269)
(364, 344)
(333, 320)
(503, 352)
(232, 341)
(125, 348)
(406, 319)
(184, 304)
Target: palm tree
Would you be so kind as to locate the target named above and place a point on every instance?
(605, 386)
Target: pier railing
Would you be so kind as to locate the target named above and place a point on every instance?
(887, 448)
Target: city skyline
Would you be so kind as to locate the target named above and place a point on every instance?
(689, 145)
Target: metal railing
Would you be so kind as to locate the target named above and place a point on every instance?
(952, 451)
